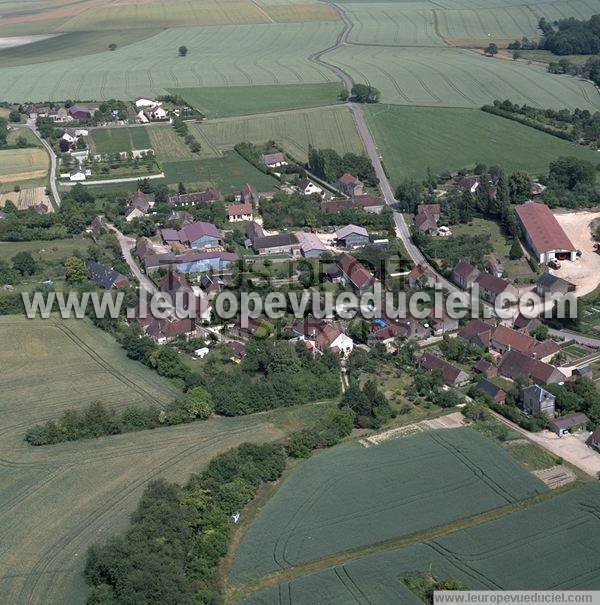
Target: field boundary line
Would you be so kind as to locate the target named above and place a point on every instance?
(240, 591)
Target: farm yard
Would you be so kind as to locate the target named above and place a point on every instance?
(412, 139)
(475, 557)
(319, 510)
(222, 101)
(295, 131)
(22, 166)
(56, 501)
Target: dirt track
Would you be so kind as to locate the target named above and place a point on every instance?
(584, 272)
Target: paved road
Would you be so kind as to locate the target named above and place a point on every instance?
(53, 161)
(402, 230)
(127, 244)
(580, 338)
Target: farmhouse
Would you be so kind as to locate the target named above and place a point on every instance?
(485, 368)
(537, 400)
(552, 284)
(78, 174)
(80, 112)
(281, 243)
(566, 424)
(490, 287)
(311, 245)
(441, 322)
(307, 187)
(516, 365)
(478, 333)
(352, 236)
(105, 277)
(181, 217)
(492, 390)
(545, 237)
(427, 217)
(274, 160)
(248, 194)
(352, 272)
(464, 274)
(420, 274)
(350, 185)
(451, 374)
(138, 206)
(199, 236)
(326, 336)
(164, 330)
(191, 199)
(239, 212)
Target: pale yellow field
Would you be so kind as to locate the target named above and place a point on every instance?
(18, 165)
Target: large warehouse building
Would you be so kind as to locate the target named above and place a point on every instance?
(545, 237)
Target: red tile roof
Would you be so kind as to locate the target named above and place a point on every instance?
(355, 271)
(512, 339)
(239, 209)
(543, 229)
(449, 372)
(491, 283)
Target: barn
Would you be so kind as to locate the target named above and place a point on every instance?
(545, 237)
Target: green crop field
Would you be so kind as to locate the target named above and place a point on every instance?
(168, 145)
(217, 56)
(243, 100)
(452, 77)
(351, 496)
(228, 173)
(56, 501)
(411, 139)
(322, 127)
(72, 44)
(457, 23)
(114, 140)
(504, 554)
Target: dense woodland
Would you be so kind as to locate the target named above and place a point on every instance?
(571, 36)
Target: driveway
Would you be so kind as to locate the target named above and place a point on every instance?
(571, 448)
(585, 271)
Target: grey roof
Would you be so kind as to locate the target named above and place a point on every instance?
(275, 241)
(538, 392)
(344, 232)
(549, 281)
(566, 422)
(103, 276)
(489, 388)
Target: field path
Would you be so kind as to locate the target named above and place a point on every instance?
(402, 230)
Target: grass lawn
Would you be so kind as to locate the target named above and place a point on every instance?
(531, 456)
(114, 140)
(28, 135)
(516, 269)
(46, 251)
(228, 173)
(222, 101)
(411, 139)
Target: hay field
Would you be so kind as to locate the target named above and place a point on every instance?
(56, 501)
(350, 497)
(114, 140)
(219, 102)
(449, 77)
(411, 139)
(321, 127)
(549, 546)
(167, 144)
(26, 198)
(19, 165)
(217, 56)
